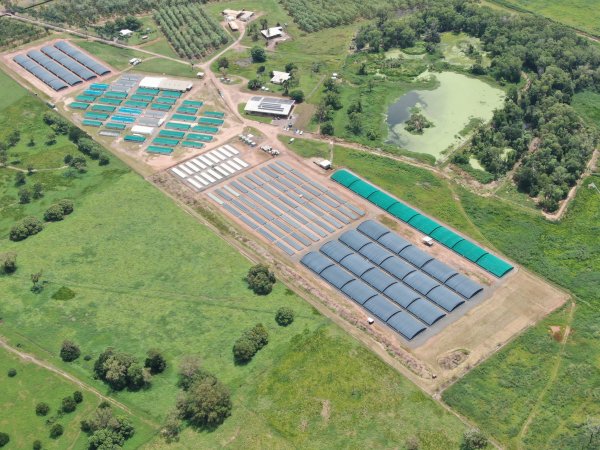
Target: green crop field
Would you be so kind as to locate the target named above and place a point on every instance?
(581, 14)
(145, 274)
(33, 384)
(553, 390)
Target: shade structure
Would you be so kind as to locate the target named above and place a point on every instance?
(421, 222)
(82, 58)
(383, 308)
(464, 286)
(398, 267)
(357, 265)
(375, 253)
(405, 324)
(359, 291)
(354, 239)
(445, 298)
(415, 256)
(426, 311)
(372, 229)
(420, 282)
(439, 270)
(336, 250)
(393, 242)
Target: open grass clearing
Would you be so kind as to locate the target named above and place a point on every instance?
(587, 104)
(115, 56)
(10, 92)
(455, 48)
(581, 14)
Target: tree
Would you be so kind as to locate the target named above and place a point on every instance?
(54, 214)
(42, 409)
(121, 370)
(223, 63)
(297, 95)
(37, 286)
(20, 179)
(103, 160)
(8, 262)
(24, 195)
(258, 54)
(66, 206)
(4, 439)
(105, 439)
(284, 316)
(12, 373)
(37, 445)
(56, 431)
(13, 138)
(68, 405)
(473, 440)
(244, 349)
(206, 404)
(31, 142)
(254, 84)
(190, 371)
(417, 123)
(260, 279)
(155, 362)
(172, 427)
(51, 138)
(78, 396)
(69, 351)
(27, 227)
(290, 66)
(38, 191)
(355, 123)
(327, 128)
(264, 23)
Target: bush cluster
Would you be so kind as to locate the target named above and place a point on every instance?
(206, 402)
(121, 370)
(25, 228)
(284, 316)
(250, 342)
(106, 431)
(58, 211)
(260, 279)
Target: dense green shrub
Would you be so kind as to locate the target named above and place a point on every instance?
(155, 361)
(260, 279)
(8, 262)
(56, 431)
(4, 439)
(121, 370)
(54, 214)
(69, 351)
(206, 403)
(25, 228)
(78, 396)
(68, 405)
(42, 409)
(249, 343)
(12, 373)
(284, 316)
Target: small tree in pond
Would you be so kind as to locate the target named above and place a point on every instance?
(42, 409)
(284, 316)
(69, 351)
(260, 279)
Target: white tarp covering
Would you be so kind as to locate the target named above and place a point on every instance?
(139, 129)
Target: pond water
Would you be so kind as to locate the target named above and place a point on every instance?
(450, 107)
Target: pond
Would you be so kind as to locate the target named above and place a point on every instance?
(455, 101)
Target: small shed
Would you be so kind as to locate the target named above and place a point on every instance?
(125, 33)
(325, 164)
(234, 26)
(279, 77)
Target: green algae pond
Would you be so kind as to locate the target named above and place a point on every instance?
(455, 101)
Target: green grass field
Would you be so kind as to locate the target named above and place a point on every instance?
(587, 104)
(33, 384)
(11, 91)
(145, 274)
(581, 14)
(114, 56)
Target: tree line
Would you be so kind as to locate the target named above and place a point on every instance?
(536, 127)
(189, 29)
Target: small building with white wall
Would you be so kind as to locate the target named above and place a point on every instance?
(272, 33)
(270, 106)
(125, 33)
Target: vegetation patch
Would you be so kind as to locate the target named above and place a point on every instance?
(64, 293)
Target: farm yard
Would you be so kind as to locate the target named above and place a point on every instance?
(182, 269)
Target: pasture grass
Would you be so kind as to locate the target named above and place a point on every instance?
(587, 105)
(580, 14)
(33, 384)
(115, 56)
(10, 92)
(306, 148)
(166, 67)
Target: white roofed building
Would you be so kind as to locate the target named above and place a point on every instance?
(125, 33)
(167, 84)
(270, 106)
(279, 77)
(272, 33)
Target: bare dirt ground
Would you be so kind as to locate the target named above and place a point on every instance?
(7, 59)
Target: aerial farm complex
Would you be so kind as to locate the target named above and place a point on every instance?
(255, 224)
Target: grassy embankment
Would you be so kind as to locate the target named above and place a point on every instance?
(145, 274)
